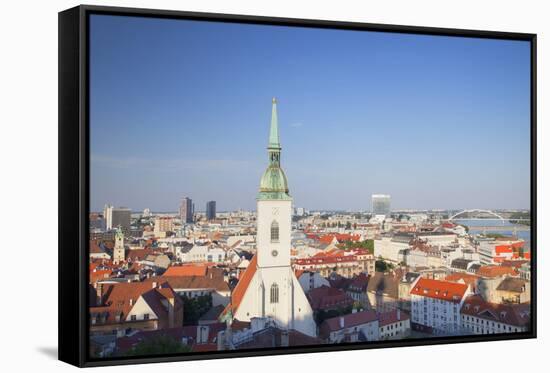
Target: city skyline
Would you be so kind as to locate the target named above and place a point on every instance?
(460, 138)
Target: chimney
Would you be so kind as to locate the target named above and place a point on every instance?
(398, 314)
(171, 313)
(99, 293)
(341, 322)
(154, 283)
(202, 333)
(284, 338)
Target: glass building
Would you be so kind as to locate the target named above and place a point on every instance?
(381, 204)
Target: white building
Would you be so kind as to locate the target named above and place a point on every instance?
(438, 238)
(481, 317)
(352, 327)
(118, 250)
(435, 306)
(394, 325)
(268, 287)
(392, 248)
(201, 253)
(311, 280)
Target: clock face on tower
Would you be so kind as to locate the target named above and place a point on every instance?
(274, 253)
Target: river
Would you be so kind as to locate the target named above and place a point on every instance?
(472, 224)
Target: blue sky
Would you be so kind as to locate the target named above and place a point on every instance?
(182, 108)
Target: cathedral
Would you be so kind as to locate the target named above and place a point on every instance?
(269, 287)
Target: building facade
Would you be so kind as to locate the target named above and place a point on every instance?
(435, 306)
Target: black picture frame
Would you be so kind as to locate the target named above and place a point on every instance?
(74, 181)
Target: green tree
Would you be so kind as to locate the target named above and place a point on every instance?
(323, 315)
(382, 266)
(162, 344)
(194, 308)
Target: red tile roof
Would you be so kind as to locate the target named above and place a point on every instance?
(99, 274)
(468, 279)
(349, 321)
(495, 271)
(139, 254)
(95, 248)
(514, 263)
(392, 317)
(120, 298)
(238, 293)
(510, 314)
(324, 298)
(437, 289)
(340, 237)
(126, 343)
(187, 270)
(326, 260)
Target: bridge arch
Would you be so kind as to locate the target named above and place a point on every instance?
(477, 210)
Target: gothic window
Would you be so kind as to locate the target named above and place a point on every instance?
(274, 231)
(274, 295)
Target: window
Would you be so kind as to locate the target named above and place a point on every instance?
(133, 317)
(274, 295)
(274, 231)
(146, 316)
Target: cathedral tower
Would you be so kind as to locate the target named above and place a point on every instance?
(268, 287)
(274, 205)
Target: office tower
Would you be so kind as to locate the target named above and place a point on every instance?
(116, 217)
(186, 210)
(211, 210)
(381, 204)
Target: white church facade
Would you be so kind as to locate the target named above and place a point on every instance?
(269, 287)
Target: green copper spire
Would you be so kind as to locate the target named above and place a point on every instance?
(274, 184)
(274, 130)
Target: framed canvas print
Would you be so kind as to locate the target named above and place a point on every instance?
(234, 186)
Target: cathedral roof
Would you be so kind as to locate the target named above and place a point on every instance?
(238, 293)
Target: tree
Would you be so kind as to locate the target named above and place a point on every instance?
(194, 308)
(323, 315)
(348, 225)
(162, 344)
(382, 266)
(366, 244)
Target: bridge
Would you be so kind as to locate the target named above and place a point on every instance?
(489, 212)
(515, 228)
(501, 228)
